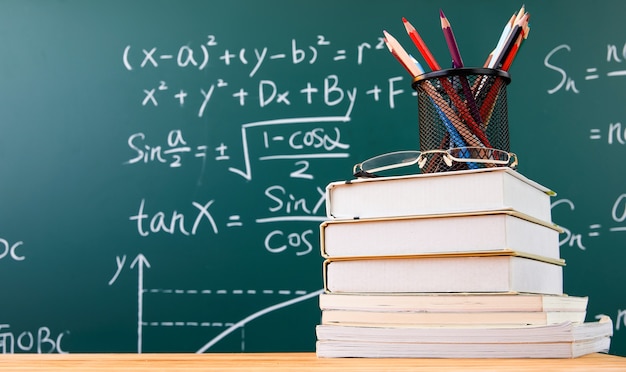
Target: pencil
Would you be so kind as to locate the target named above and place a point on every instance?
(421, 46)
(491, 60)
(457, 61)
(418, 64)
(520, 13)
(505, 34)
(511, 40)
(401, 55)
(509, 59)
(500, 43)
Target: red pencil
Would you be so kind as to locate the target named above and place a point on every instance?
(421, 46)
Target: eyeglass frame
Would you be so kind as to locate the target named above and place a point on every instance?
(448, 158)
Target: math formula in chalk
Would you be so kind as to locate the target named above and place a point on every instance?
(574, 81)
(210, 50)
(299, 140)
(198, 219)
(579, 239)
(173, 150)
(219, 61)
(329, 92)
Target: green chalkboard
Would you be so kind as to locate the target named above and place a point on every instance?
(162, 163)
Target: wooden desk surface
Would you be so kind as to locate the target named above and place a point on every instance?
(292, 362)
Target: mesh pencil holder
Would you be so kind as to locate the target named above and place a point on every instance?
(463, 108)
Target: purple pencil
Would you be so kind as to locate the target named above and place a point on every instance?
(457, 61)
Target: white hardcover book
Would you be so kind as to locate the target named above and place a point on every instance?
(438, 193)
(462, 232)
(478, 272)
(413, 318)
(452, 302)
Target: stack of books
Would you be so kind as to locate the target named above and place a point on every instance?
(460, 264)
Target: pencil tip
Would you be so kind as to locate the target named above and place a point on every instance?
(441, 14)
(408, 26)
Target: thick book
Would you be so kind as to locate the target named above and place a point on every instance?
(542, 350)
(564, 340)
(478, 272)
(399, 318)
(495, 188)
(452, 302)
(459, 232)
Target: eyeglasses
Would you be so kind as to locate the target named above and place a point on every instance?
(471, 157)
